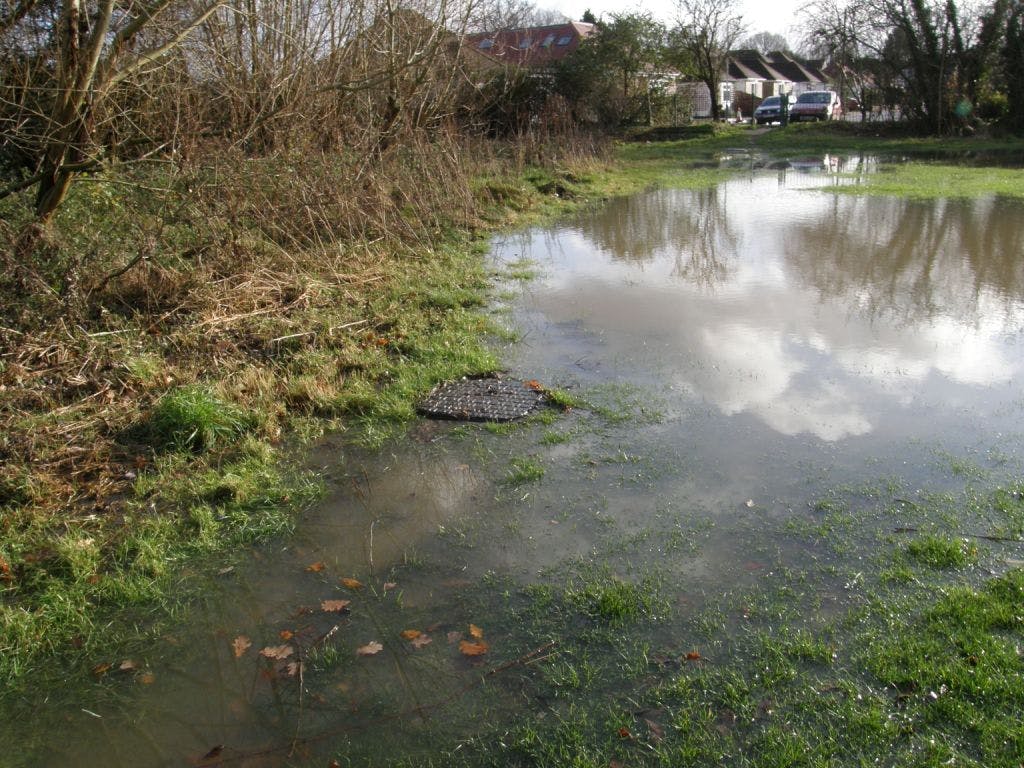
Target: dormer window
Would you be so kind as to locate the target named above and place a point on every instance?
(525, 43)
(548, 41)
(565, 39)
(486, 45)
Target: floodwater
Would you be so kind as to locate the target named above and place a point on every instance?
(744, 349)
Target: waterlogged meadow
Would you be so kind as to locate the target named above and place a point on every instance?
(772, 516)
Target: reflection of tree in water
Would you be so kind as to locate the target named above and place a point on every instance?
(908, 261)
(691, 224)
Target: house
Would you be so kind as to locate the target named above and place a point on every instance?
(530, 47)
(750, 76)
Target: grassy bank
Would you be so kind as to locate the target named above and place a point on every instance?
(180, 331)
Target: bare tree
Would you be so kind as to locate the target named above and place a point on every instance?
(765, 42)
(705, 32)
(88, 48)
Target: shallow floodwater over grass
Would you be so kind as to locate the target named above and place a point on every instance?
(797, 414)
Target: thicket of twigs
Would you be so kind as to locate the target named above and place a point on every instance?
(227, 194)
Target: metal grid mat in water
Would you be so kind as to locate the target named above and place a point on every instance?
(481, 400)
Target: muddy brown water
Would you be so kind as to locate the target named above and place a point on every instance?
(745, 348)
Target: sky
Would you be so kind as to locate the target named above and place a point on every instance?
(778, 16)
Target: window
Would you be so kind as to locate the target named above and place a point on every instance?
(525, 43)
(548, 41)
(486, 45)
(565, 39)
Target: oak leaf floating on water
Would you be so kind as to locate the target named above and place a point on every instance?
(334, 606)
(286, 634)
(694, 656)
(475, 631)
(410, 634)
(240, 645)
(419, 642)
(535, 385)
(147, 678)
(277, 652)
(352, 583)
(478, 648)
(316, 567)
(372, 648)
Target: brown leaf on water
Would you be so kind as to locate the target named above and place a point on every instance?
(127, 665)
(694, 656)
(624, 733)
(240, 645)
(535, 385)
(478, 648)
(286, 634)
(277, 652)
(390, 585)
(334, 606)
(372, 648)
(316, 567)
(147, 678)
(475, 631)
(5, 571)
(419, 642)
(410, 634)
(101, 669)
(352, 583)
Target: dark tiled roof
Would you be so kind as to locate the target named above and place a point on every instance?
(777, 65)
(531, 46)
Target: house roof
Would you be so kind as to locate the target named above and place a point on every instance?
(778, 66)
(531, 46)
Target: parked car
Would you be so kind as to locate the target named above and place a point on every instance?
(816, 105)
(770, 109)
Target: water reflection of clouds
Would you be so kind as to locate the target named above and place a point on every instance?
(815, 313)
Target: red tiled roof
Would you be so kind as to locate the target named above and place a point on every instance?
(531, 46)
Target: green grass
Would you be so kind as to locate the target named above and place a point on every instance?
(942, 552)
(192, 418)
(525, 469)
(937, 180)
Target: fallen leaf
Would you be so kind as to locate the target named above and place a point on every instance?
(473, 649)
(5, 571)
(419, 642)
(101, 669)
(240, 645)
(372, 648)
(286, 634)
(694, 656)
(390, 585)
(127, 665)
(292, 668)
(411, 634)
(475, 631)
(535, 385)
(352, 583)
(334, 606)
(147, 678)
(316, 567)
(624, 733)
(277, 652)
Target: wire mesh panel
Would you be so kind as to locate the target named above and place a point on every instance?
(481, 400)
